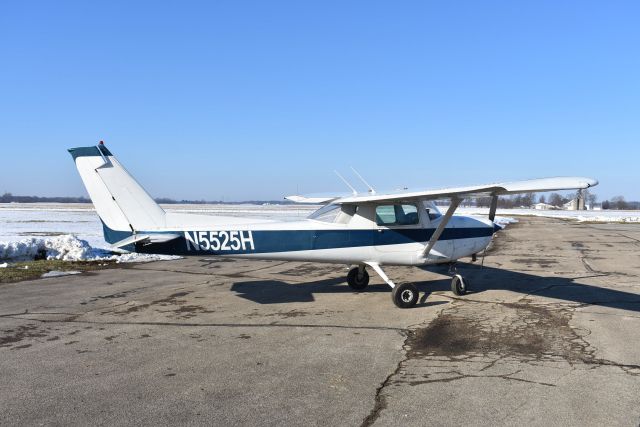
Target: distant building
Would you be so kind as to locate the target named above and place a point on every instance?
(576, 204)
(544, 207)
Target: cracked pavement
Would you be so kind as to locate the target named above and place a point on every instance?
(548, 336)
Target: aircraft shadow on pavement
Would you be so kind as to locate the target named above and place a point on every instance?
(279, 292)
(561, 288)
(480, 280)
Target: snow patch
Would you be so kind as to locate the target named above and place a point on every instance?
(503, 221)
(68, 248)
(57, 273)
(4, 265)
(133, 257)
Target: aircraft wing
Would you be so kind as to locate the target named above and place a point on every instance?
(516, 187)
(319, 200)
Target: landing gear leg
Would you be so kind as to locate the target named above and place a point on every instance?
(358, 278)
(405, 295)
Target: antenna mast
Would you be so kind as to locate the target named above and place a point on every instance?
(371, 190)
(353, 190)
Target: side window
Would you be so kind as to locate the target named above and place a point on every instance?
(385, 215)
(406, 214)
(397, 215)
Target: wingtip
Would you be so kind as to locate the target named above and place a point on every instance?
(591, 182)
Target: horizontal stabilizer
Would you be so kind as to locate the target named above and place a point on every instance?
(148, 238)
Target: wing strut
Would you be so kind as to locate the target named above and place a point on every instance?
(455, 202)
(492, 209)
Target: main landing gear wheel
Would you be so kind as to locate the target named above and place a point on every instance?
(405, 295)
(358, 279)
(459, 285)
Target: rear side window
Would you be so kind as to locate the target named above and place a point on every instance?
(397, 214)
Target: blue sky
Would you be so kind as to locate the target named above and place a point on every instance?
(255, 100)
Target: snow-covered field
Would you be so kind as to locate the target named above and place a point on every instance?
(20, 220)
(74, 232)
(582, 216)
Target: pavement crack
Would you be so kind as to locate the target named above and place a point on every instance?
(380, 400)
(459, 376)
(630, 369)
(74, 319)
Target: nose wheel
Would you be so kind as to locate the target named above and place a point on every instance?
(459, 285)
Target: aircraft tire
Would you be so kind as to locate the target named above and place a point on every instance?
(459, 285)
(357, 283)
(405, 295)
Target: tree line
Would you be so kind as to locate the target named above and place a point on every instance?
(10, 198)
(506, 202)
(557, 200)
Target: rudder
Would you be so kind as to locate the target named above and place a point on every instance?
(120, 201)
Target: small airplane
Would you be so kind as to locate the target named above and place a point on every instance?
(360, 230)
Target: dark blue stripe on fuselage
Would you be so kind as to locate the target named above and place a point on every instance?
(265, 241)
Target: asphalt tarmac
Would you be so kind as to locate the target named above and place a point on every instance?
(550, 335)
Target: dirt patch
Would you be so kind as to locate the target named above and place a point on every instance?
(504, 329)
(541, 262)
(291, 314)
(189, 311)
(176, 306)
(310, 270)
(13, 336)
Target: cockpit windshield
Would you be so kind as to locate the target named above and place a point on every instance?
(327, 213)
(432, 210)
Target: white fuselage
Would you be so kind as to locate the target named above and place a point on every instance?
(349, 238)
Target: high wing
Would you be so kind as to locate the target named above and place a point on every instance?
(497, 189)
(318, 200)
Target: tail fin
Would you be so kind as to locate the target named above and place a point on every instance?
(122, 204)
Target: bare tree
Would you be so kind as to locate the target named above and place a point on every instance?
(527, 200)
(619, 202)
(483, 202)
(542, 199)
(507, 202)
(556, 200)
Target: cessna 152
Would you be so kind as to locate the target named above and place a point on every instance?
(360, 230)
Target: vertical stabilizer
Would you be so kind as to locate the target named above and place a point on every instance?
(121, 203)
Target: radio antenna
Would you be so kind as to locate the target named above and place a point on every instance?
(353, 190)
(371, 190)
